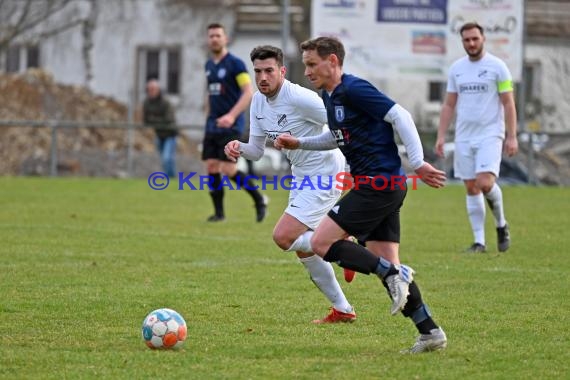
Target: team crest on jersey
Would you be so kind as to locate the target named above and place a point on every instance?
(339, 113)
(221, 73)
(282, 121)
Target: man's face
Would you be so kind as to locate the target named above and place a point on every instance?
(217, 40)
(318, 70)
(473, 42)
(268, 76)
(153, 89)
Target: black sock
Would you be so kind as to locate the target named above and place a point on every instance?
(352, 256)
(217, 194)
(250, 170)
(417, 311)
(249, 186)
(426, 326)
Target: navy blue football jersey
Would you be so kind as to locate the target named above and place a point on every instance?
(224, 79)
(355, 113)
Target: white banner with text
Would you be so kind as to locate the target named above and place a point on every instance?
(417, 38)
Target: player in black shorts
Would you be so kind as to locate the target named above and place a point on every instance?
(372, 214)
(229, 94)
(362, 121)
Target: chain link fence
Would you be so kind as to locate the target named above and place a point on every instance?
(104, 149)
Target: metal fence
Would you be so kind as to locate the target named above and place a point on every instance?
(129, 151)
(124, 135)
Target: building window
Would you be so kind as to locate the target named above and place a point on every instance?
(33, 56)
(436, 91)
(533, 105)
(13, 59)
(162, 64)
(172, 79)
(152, 64)
(20, 58)
(531, 75)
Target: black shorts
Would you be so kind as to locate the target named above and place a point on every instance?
(213, 145)
(370, 214)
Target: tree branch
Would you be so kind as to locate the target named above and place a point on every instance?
(52, 8)
(33, 13)
(60, 29)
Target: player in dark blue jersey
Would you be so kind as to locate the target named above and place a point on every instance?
(362, 121)
(229, 94)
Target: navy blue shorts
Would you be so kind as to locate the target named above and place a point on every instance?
(369, 214)
(213, 145)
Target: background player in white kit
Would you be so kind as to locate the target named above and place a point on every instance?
(283, 107)
(480, 89)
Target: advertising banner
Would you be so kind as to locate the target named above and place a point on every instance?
(417, 38)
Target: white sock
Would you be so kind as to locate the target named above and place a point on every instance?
(322, 275)
(303, 243)
(495, 198)
(476, 212)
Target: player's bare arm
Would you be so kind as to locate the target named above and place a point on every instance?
(511, 142)
(447, 111)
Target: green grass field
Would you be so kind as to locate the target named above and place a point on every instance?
(82, 261)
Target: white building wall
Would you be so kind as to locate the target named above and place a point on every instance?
(121, 28)
(554, 83)
(61, 55)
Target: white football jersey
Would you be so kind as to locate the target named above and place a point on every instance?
(478, 84)
(299, 112)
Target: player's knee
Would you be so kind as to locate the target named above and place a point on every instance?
(228, 173)
(319, 246)
(485, 186)
(283, 240)
(485, 183)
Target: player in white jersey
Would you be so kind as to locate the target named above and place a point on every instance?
(480, 91)
(284, 107)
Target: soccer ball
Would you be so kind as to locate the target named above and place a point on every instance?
(164, 328)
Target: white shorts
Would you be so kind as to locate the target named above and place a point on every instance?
(309, 206)
(471, 158)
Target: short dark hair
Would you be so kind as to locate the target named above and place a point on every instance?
(469, 26)
(215, 25)
(267, 51)
(325, 46)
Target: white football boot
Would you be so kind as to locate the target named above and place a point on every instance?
(398, 285)
(435, 341)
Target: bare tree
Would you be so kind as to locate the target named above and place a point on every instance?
(88, 29)
(36, 19)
